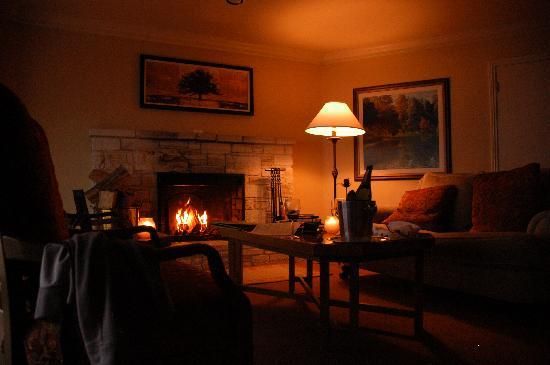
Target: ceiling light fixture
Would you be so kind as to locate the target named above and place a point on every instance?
(234, 2)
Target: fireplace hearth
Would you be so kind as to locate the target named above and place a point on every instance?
(221, 196)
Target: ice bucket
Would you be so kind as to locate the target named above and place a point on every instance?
(356, 218)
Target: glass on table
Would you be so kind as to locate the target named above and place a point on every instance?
(292, 207)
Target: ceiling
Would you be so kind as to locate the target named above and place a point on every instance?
(305, 28)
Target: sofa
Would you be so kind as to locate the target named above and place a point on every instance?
(474, 251)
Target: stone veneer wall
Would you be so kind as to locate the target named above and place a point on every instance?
(144, 153)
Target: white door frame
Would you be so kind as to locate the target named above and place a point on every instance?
(493, 69)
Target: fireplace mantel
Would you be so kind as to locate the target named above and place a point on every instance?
(144, 153)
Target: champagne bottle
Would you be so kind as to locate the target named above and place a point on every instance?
(364, 192)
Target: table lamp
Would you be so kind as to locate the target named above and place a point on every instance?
(334, 121)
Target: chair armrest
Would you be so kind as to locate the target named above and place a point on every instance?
(89, 215)
(166, 252)
(215, 262)
(128, 233)
(86, 221)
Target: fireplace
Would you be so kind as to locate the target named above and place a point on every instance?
(220, 195)
(147, 155)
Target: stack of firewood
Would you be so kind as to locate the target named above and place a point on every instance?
(116, 181)
(211, 233)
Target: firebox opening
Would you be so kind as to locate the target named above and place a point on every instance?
(221, 196)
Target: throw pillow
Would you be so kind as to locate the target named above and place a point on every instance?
(540, 224)
(505, 201)
(429, 208)
(461, 217)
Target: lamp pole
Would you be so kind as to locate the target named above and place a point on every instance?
(334, 139)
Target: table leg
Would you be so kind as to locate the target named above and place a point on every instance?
(354, 294)
(324, 300)
(309, 273)
(291, 274)
(231, 258)
(235, 250)
(419, 294)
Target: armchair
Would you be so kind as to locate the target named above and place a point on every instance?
(211, 322)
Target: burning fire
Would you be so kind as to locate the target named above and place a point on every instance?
(188, 218)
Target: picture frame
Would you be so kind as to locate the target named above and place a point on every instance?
(408, 129)
(179, 84)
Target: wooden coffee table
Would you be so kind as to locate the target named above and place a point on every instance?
(351, 253)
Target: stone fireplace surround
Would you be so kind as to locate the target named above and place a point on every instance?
(144, 153)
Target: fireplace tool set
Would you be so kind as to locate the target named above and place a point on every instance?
(277, 206)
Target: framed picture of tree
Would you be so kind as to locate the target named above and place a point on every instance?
(171, 83)
(408, 130)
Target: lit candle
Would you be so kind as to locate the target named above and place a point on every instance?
(145, 221)
(332, 224)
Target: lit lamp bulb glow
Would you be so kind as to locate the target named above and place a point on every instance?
(332, 225)
(145, 221)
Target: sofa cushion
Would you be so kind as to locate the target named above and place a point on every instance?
(509, 266)
(461, 217)
(429, 208)
(505, 201)
(493, 250)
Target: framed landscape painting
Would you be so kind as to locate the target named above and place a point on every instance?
(170, 83)
(407, 129)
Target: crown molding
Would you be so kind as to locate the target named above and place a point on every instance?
(357, 54)
(185, 39)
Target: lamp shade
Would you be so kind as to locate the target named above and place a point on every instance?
(335, 120)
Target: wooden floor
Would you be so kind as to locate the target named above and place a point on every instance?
(461, 329)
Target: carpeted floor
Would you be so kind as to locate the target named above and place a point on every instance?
(270, 273)
(461, 329)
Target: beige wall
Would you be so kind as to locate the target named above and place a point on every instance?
(72, 82)
(467, 66)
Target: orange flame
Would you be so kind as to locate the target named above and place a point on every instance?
(203, 220)
(188, 218)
